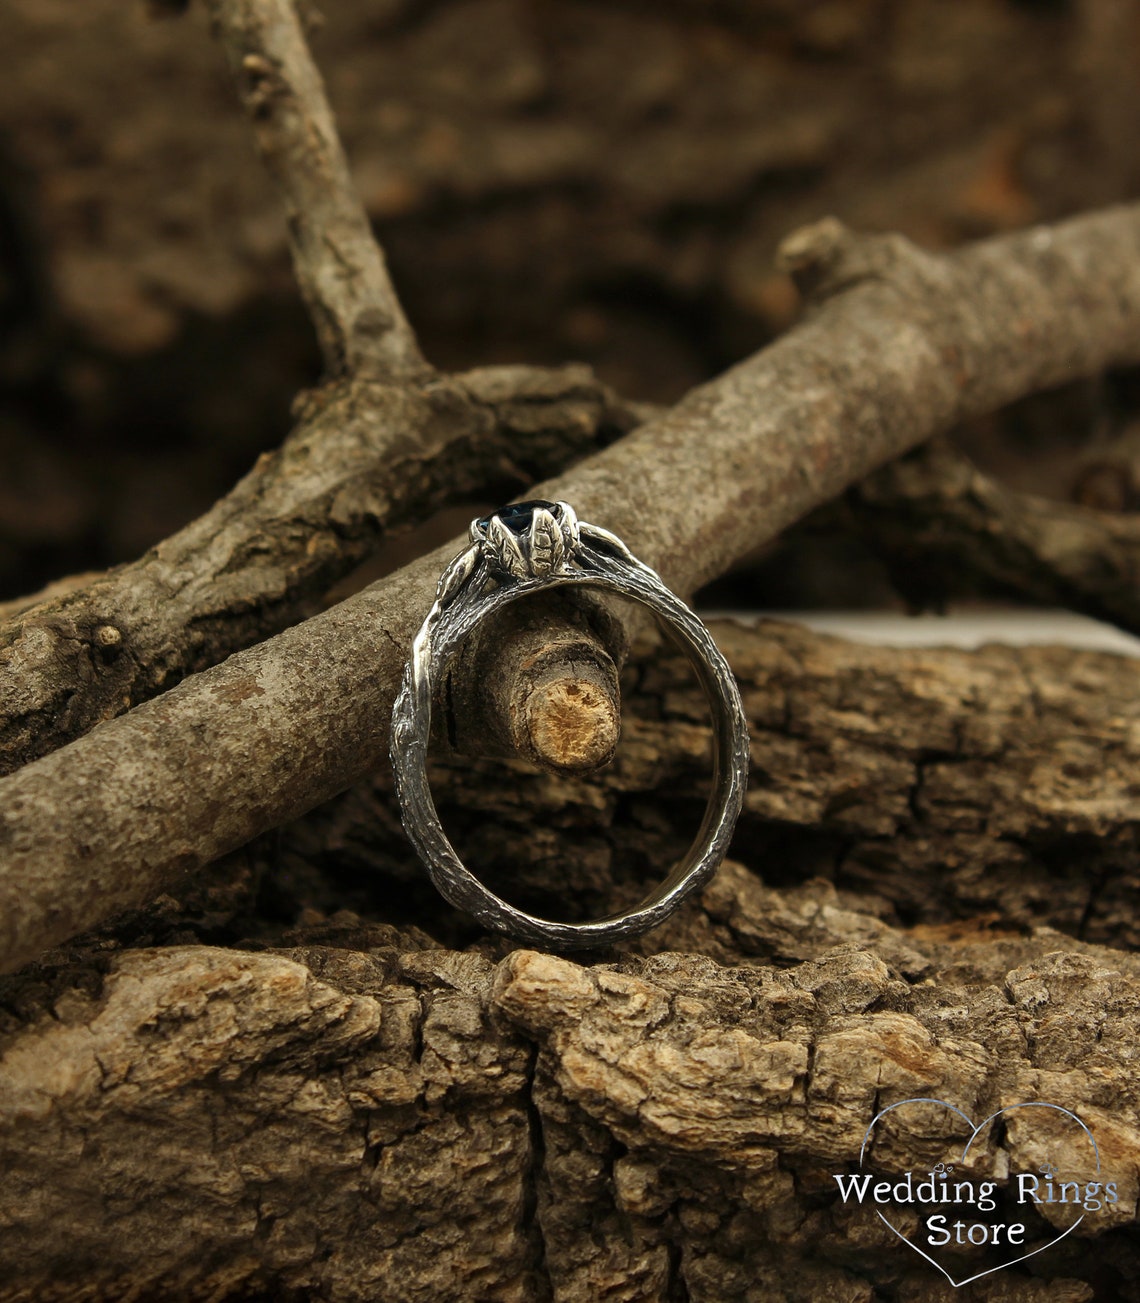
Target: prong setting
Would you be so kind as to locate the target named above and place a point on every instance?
(569, 522)
(527, 540)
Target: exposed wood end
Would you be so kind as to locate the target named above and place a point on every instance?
(571, 720)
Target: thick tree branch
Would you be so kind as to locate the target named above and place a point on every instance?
(364, 459)
(907, 345)
(939, 522)
(382, 446)
(340, 268)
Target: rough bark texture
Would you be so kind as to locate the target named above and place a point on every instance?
(903, 345)
(943, 525)
(244, 1089)
(935, 787)
(357, 1112)
(365, 458)
(340, 268)
(539, 199)
(402, 1122)
(352, 468)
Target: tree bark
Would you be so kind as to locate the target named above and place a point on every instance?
(340, 268)
(936, 787)
(390, 1121)
(942, 526)
(365, 459)
(358, 1111)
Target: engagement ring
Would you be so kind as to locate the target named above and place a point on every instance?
(522, 549)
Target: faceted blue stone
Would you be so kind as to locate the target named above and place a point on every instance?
(519, 515)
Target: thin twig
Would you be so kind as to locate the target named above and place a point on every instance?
(907, 345)
(340, 267)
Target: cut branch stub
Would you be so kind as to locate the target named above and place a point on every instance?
(541, 682)
(571, 719)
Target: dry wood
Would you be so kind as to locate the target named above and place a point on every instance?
(1108, 474)
(907, 344)
(935, 786)
(364, 1114)
(253, 564)
(361, 1114)
(365, 459)
(539, 682)
(385, 1120)
(379, 447)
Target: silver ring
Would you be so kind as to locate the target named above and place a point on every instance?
(519, 550)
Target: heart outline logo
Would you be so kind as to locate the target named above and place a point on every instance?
(974, 1133)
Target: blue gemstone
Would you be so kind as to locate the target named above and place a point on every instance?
(519, 515)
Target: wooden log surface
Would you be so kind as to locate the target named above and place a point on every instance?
(932, 784)
(386, 1121)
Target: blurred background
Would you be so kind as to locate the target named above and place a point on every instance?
(553, 180)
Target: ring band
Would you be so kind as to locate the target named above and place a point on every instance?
(522, 549)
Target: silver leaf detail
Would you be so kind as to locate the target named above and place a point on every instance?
(547, 547)
(505, 549)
